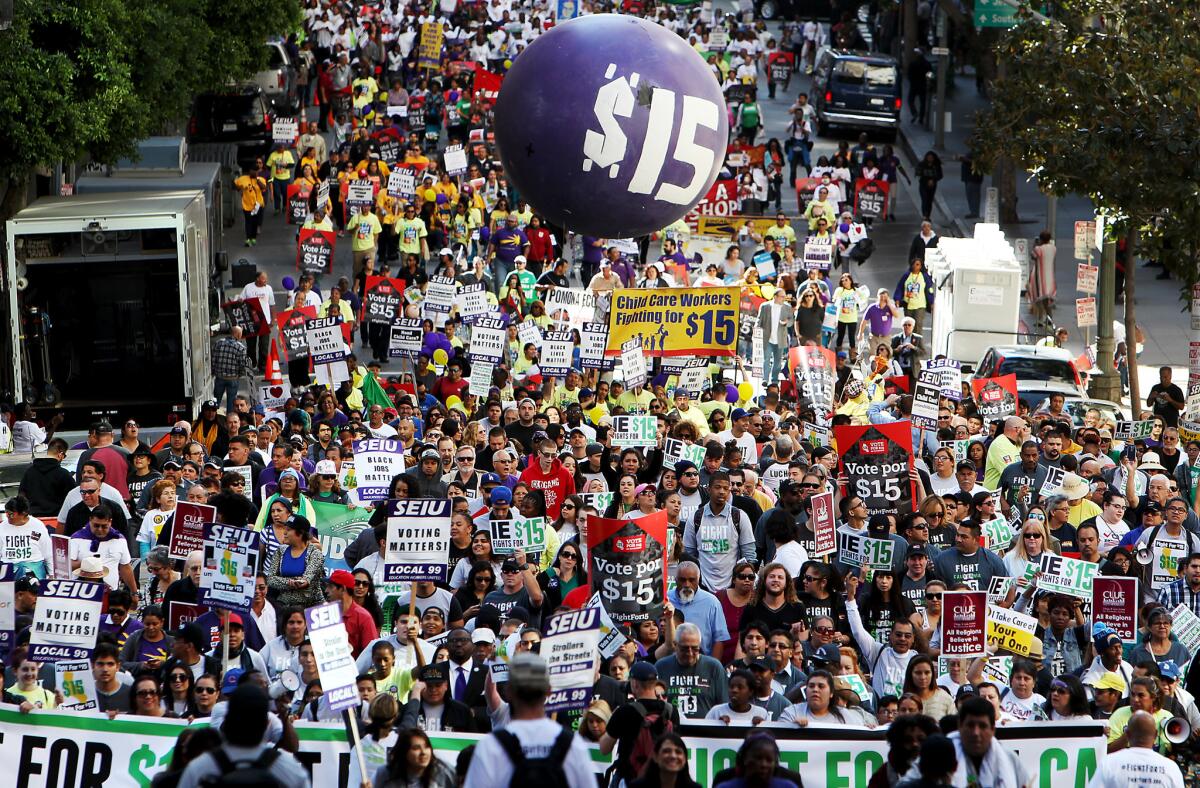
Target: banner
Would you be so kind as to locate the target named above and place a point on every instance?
(293, 331)
(75, 681)
(337, 527)
(406, 338)
(472, 303)
(677, 321)
(67, 620)
(8, 610)
(418, 540)
(314, 251)
(573, 308)
(814, 371)
(557, 349)
(187, 528)
(91, 750)
(569, 645)
(721, 199)
(871, 198)
(1115, 603)
(875, 462)
(1186, 627)
(964, 616)
(864, 552)
(231, 558)
(996, 397)
(331, 649)
(637, 431)
(1062, 575)
(824, 527)
(383, 300)
(1010, 630)
(730, 226)
(402, 181)
(628, 565)
(1133, 430)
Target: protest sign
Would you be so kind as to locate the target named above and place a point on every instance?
(964, 614)
(338, 526)
(865, 552)
(359, 194)
(628, 565)
(1010, 630)
(527, 534)
(479, 382)
(402, 182)
(600, 501)
(488, 341)
(285, 130)
(999, 533)
(675, 450)
(297, 202)
(331, 650)
(187, 528)
(528, 332)
(612, 637)
(75, 681)
(439, 296)
(66, 620)
(472, 303)
(455, 157)
(383, 300)
(273, 397)
(633, 363)
(998, 588)
(1115, 604)
(677, 321)
(823, 525)
(418, 540)
(1086, 278)
(876, 460)
(593, 345)
(1185, 627)
(996, 397)
(692, 377)
(1133, 430)
(640, 430)
(571, 307)
(926, 397)
(998, 670)
(1052, 485)
(1192, 403)
(556, 350)
(1085, 312)
(406, 337)
(231, 559)
(818, 253)
(1070, 576)
(314, 251)
(60, 556)
(871, 198)
(293, 331)
(814, 370)
(569, 646)
(376, 461)
(180, 613)
(951, 373)
(326, 343)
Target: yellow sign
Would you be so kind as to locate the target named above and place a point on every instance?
(429, 50)
(676, 321)
(1010, 630)
(729, 226)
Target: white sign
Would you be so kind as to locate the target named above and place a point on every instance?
(1085, 239)
(285, 130)
(472, 303)
(360, 193)
(273, 397)
(570, 646)
(439, 296)
(1186, 627)
(406, 337)
(456, 160)
(571, 307)
(402, 183)
(991, 205)
(691, 377)
(418, 540)
(1086, 277)
(1085, 311)
(864, 551)
(488, 341)
(376, 462)
(633, 363)
(66, 620)
(675, 450)
(509, 536)
(229, 568)
(331, 649)
(951, 372)
(593, 342)
(325, 342)
(75, 681)
(528, 333)
(818, 253)
(555, 358)
(479, 382)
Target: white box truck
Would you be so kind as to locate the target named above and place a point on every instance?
(109, 315)
(978, 302)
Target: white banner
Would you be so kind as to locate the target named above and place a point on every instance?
(331, 649)
(376, 461)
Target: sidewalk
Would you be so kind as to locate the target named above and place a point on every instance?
(1157, 301)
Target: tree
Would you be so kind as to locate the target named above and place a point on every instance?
(1102, 100)
(89, 78)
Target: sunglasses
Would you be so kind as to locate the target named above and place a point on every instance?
(362, 584)
(178, 677)
(147, 693)
(570, 506)
(746, 576)
(205, 690)
(824, 630)
(934, 596)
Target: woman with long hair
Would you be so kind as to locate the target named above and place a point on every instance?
(941, 528)
(325, 488)
(668, 768)
(567, 523)
(1032, 542)
(943, 479)
(377, 738)
(296, 571)
(884, 605)
(177, 699)
(150, 646)
(822, 596)
(563, 576)
(625, 500)
(846, 297)
(734, 601)
(364, 594)
(1068, 700)
(920, 678)
(480, 581)
(411, 762)
(481, 550)
(279, 511)
(819, 707)
(929, 615)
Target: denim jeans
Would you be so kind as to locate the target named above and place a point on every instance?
(226, 387)
(773, 356)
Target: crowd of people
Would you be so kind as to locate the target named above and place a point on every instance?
(757, 631)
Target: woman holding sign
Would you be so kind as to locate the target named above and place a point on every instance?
(1033, 542)
(295, 572)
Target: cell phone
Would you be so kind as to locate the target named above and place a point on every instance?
(1130, 452)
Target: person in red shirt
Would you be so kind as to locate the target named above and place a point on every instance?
(360, 627)
(453, 384)
(546, 473)
(541, 246)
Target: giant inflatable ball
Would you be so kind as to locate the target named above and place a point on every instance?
(611, 126)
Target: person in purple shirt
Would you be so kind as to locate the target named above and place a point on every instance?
(593, 251)
(877, 319)
(508, 242)
(621, 266)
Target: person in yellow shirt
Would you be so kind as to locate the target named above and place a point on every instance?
(281, 163)
(252, 188)
(366, 228)
(336, 306)
(693, 416)
(318, 220)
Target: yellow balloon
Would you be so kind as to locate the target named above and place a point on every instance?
(439, 357)
(451, 401)
(745, 390)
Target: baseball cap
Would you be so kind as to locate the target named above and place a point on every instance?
(431, 674)
(236, 618)
(1109, 680)
(1105, 637)
(788, 486)
(738, 413)
(103, 428)
(1170, 669)
(1152, 507)
(191, 633)
(643, 671)
(431, 454)
(594, 448)
(828, 654)
(326, 468)
(483, 635)
(231, 681)
(343, 578)
(510, 565)
(584, 393)
(177, 430)
(172, 463)
(501, 495)
(490, 478)
(965, 691)
(760, 663)
(600, 709)
(209, 404)
(528, 671)
(142, 451)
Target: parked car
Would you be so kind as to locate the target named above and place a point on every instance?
(238, 115)
(856, 90)
(1077, 408)
(278, 80)
(1040, 371)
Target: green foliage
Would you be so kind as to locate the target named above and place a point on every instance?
(91, 77)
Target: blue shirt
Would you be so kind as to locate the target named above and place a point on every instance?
(509, 243)
(705, 612)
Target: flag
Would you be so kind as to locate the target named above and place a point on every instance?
(373, 393)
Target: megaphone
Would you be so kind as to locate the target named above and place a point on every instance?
(1177, 730)
(1144, 555)
(286, 682)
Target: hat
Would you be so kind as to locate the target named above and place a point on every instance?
(520, 613)
(297, 440)
(788, 486)
(1074, 486)
(430, 454)
(574, 430)
(191, 633)
(501, 495)
(966, 465)
(1152, 507)
(343, 578)
(528, 671)
(209, 404)
(212, 462)
(1109, 680)
(585, 393)
(236, 618)
(230, 683)
(510, 565)
(491, 478)
(326, 468)
(594, 448)
(738, 413)
(103, 428)
(965, 691)
(1150, 462)
(91, 568)
(761, 662)
(854, 388)
(142, 451)
(433, 673)
(1035, 649)
(641, 488)
(1104, 637)
(483, 635)
(1170, 669)
(843, 354)
(178, 430)
(600, 709)
(523, 400)
(917, 549)
(643, 671)
(683, 466)
(520, 259)
(606, 263)
(828, 654)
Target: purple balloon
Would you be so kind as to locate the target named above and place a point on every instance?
(731, 393)
(289, 283)
(611, 125)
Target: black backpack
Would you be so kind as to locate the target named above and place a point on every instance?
(244, 774)
(545, 772)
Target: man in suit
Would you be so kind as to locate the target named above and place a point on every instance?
(775, 318)
(466, 675)
(432, 709)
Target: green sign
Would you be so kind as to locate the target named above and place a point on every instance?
(994, 13)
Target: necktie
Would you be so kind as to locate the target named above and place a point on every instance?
(460, 685)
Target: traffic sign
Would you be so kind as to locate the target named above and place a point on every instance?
(994, 13)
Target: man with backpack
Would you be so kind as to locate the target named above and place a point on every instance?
(532, 750)
(634, 727)
(243, 759)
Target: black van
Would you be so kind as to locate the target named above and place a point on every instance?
(857, 90)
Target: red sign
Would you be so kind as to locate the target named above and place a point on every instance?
(823, 526)
(383, 301)
(60, 556)
(314, 252)
(720, 200)
(297, 201)
(876, 463)
(183, 613)
(996, 397)
(292, 331)
(628, 565)
(806, 189)
(187, 527)
(871, 198)
(964, 623)
(1114, 602)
